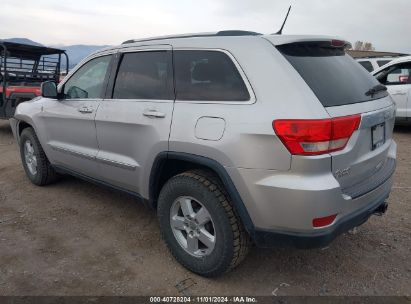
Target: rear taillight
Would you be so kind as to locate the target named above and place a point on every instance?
(316, 136)
(403, 78)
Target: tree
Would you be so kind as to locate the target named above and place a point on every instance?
(358, 45)
(368, 47)
(363, 46)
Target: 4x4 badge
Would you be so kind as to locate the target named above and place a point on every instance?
(342, 172)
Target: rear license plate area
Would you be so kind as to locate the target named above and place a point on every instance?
(378, 135)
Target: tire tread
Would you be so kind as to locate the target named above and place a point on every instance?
(46, 172)
(241, 239)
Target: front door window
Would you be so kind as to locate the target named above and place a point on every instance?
(87, 82)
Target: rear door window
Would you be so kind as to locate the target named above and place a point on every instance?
(367, 65)
(144, 75)
(395, 75)
(207, 76)
(334, 76)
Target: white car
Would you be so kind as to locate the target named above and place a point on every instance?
(396, 77)
(373, 63)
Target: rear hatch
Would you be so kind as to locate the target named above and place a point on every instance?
(345, 88)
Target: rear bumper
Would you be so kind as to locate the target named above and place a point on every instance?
(264, 238)
(282, 205)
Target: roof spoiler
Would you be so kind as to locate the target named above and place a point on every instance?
(303, 39)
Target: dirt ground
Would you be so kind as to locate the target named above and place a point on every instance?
(75, 238)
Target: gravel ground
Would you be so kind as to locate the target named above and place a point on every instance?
(75, 238)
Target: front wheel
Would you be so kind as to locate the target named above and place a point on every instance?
(36, 165)
(199, 224)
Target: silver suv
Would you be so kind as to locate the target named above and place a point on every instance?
(232, 137)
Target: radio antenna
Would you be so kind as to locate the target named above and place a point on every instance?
(285, 20)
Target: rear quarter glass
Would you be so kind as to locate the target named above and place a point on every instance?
(334, 77)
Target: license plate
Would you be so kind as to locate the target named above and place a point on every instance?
(378, 135)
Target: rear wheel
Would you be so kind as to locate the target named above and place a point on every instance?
(36, 165)
(199, 224)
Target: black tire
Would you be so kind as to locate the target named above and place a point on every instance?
(45, 173)
(231, 240)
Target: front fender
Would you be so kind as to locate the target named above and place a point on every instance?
(14, 128)
(25, 113)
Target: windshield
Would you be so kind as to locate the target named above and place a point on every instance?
(334, 77)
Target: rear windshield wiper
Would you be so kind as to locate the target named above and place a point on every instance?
(375, 89)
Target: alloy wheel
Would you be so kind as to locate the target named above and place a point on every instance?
(30, 157)
(192, 226)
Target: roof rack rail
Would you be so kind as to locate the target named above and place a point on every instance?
(220, 33)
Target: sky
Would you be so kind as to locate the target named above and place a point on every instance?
(387, 24)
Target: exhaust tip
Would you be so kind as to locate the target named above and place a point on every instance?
(381, 209)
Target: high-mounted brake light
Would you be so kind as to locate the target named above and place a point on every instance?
(316, 136)
(338, 43)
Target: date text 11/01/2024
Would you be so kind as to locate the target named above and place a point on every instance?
(202, 299)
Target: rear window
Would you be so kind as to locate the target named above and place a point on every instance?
(334, 77)
(207, 76)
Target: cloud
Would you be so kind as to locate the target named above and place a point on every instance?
(384, 23)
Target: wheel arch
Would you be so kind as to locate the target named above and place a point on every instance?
(169, 164)
(21, 125)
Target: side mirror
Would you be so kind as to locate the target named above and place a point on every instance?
(49, 89)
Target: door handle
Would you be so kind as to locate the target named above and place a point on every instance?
(153, 113)
(86, 109)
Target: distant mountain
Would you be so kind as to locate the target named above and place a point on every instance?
(23, 41)
(76, 53)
